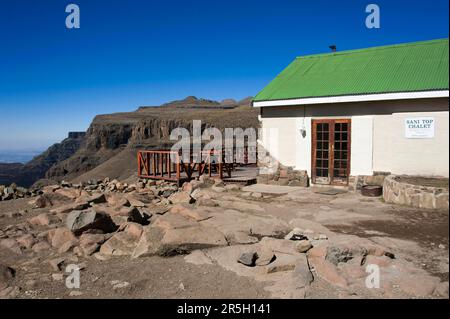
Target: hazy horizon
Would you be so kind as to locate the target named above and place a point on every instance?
(18, 156)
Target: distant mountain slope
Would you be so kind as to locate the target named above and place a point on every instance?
(122, 134)
(113, 139)
(26, 174)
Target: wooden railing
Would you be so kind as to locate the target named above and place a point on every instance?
(169, 165)
(159, 165)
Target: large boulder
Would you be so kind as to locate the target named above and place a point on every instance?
(174, 234)
(81, 220)
(123, 242)
(60, 236)
(243, 228)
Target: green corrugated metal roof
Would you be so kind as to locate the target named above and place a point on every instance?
(408, 67)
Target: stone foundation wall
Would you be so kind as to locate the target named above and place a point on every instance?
(273, 173)
(286, 176)
(397, 192)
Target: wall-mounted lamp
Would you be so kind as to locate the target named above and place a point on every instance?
(303, 132)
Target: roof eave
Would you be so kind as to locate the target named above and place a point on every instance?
(354, 98)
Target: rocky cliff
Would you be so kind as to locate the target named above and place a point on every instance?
(108, 149)
(26, 174)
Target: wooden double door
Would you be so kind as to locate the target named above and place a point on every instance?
(331, 139)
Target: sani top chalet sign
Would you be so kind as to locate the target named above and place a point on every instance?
(419, 127)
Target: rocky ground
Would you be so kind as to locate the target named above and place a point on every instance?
(210, 240)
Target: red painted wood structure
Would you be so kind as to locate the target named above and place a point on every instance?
(169, 165)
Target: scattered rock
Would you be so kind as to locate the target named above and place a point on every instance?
(134, 229)
(68, 192)
(64, 209)
(56, 263)
(12, 245)
(80, 221)
(60, 236)
(41, 201)
(248, 259)
(180, 198)
(135, 202)
(295, 234)
(67, 246)
(117, 284)
(43, 219)
(90, 243)
(120, 244)
(116, 200)
(265, 256)
(303, 246)
(75, 293)
(40, 247)
(320, 237)
(99, 198)
(342, 254)
(26, 241)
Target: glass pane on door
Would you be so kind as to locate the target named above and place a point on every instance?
(322, 165)
(340, 152)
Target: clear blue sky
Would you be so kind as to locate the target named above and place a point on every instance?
(141, 52)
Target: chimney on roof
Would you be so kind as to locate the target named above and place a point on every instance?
(333, 48)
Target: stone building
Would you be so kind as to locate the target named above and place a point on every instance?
(360, 113)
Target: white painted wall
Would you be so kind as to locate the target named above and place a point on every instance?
(304, 146)
(395, 153)
(361, 161)
(378, 142)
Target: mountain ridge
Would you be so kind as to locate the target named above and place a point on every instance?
(112, 140)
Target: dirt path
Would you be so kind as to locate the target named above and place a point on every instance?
(153, 277)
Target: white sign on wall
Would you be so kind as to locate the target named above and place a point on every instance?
(419, 127)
